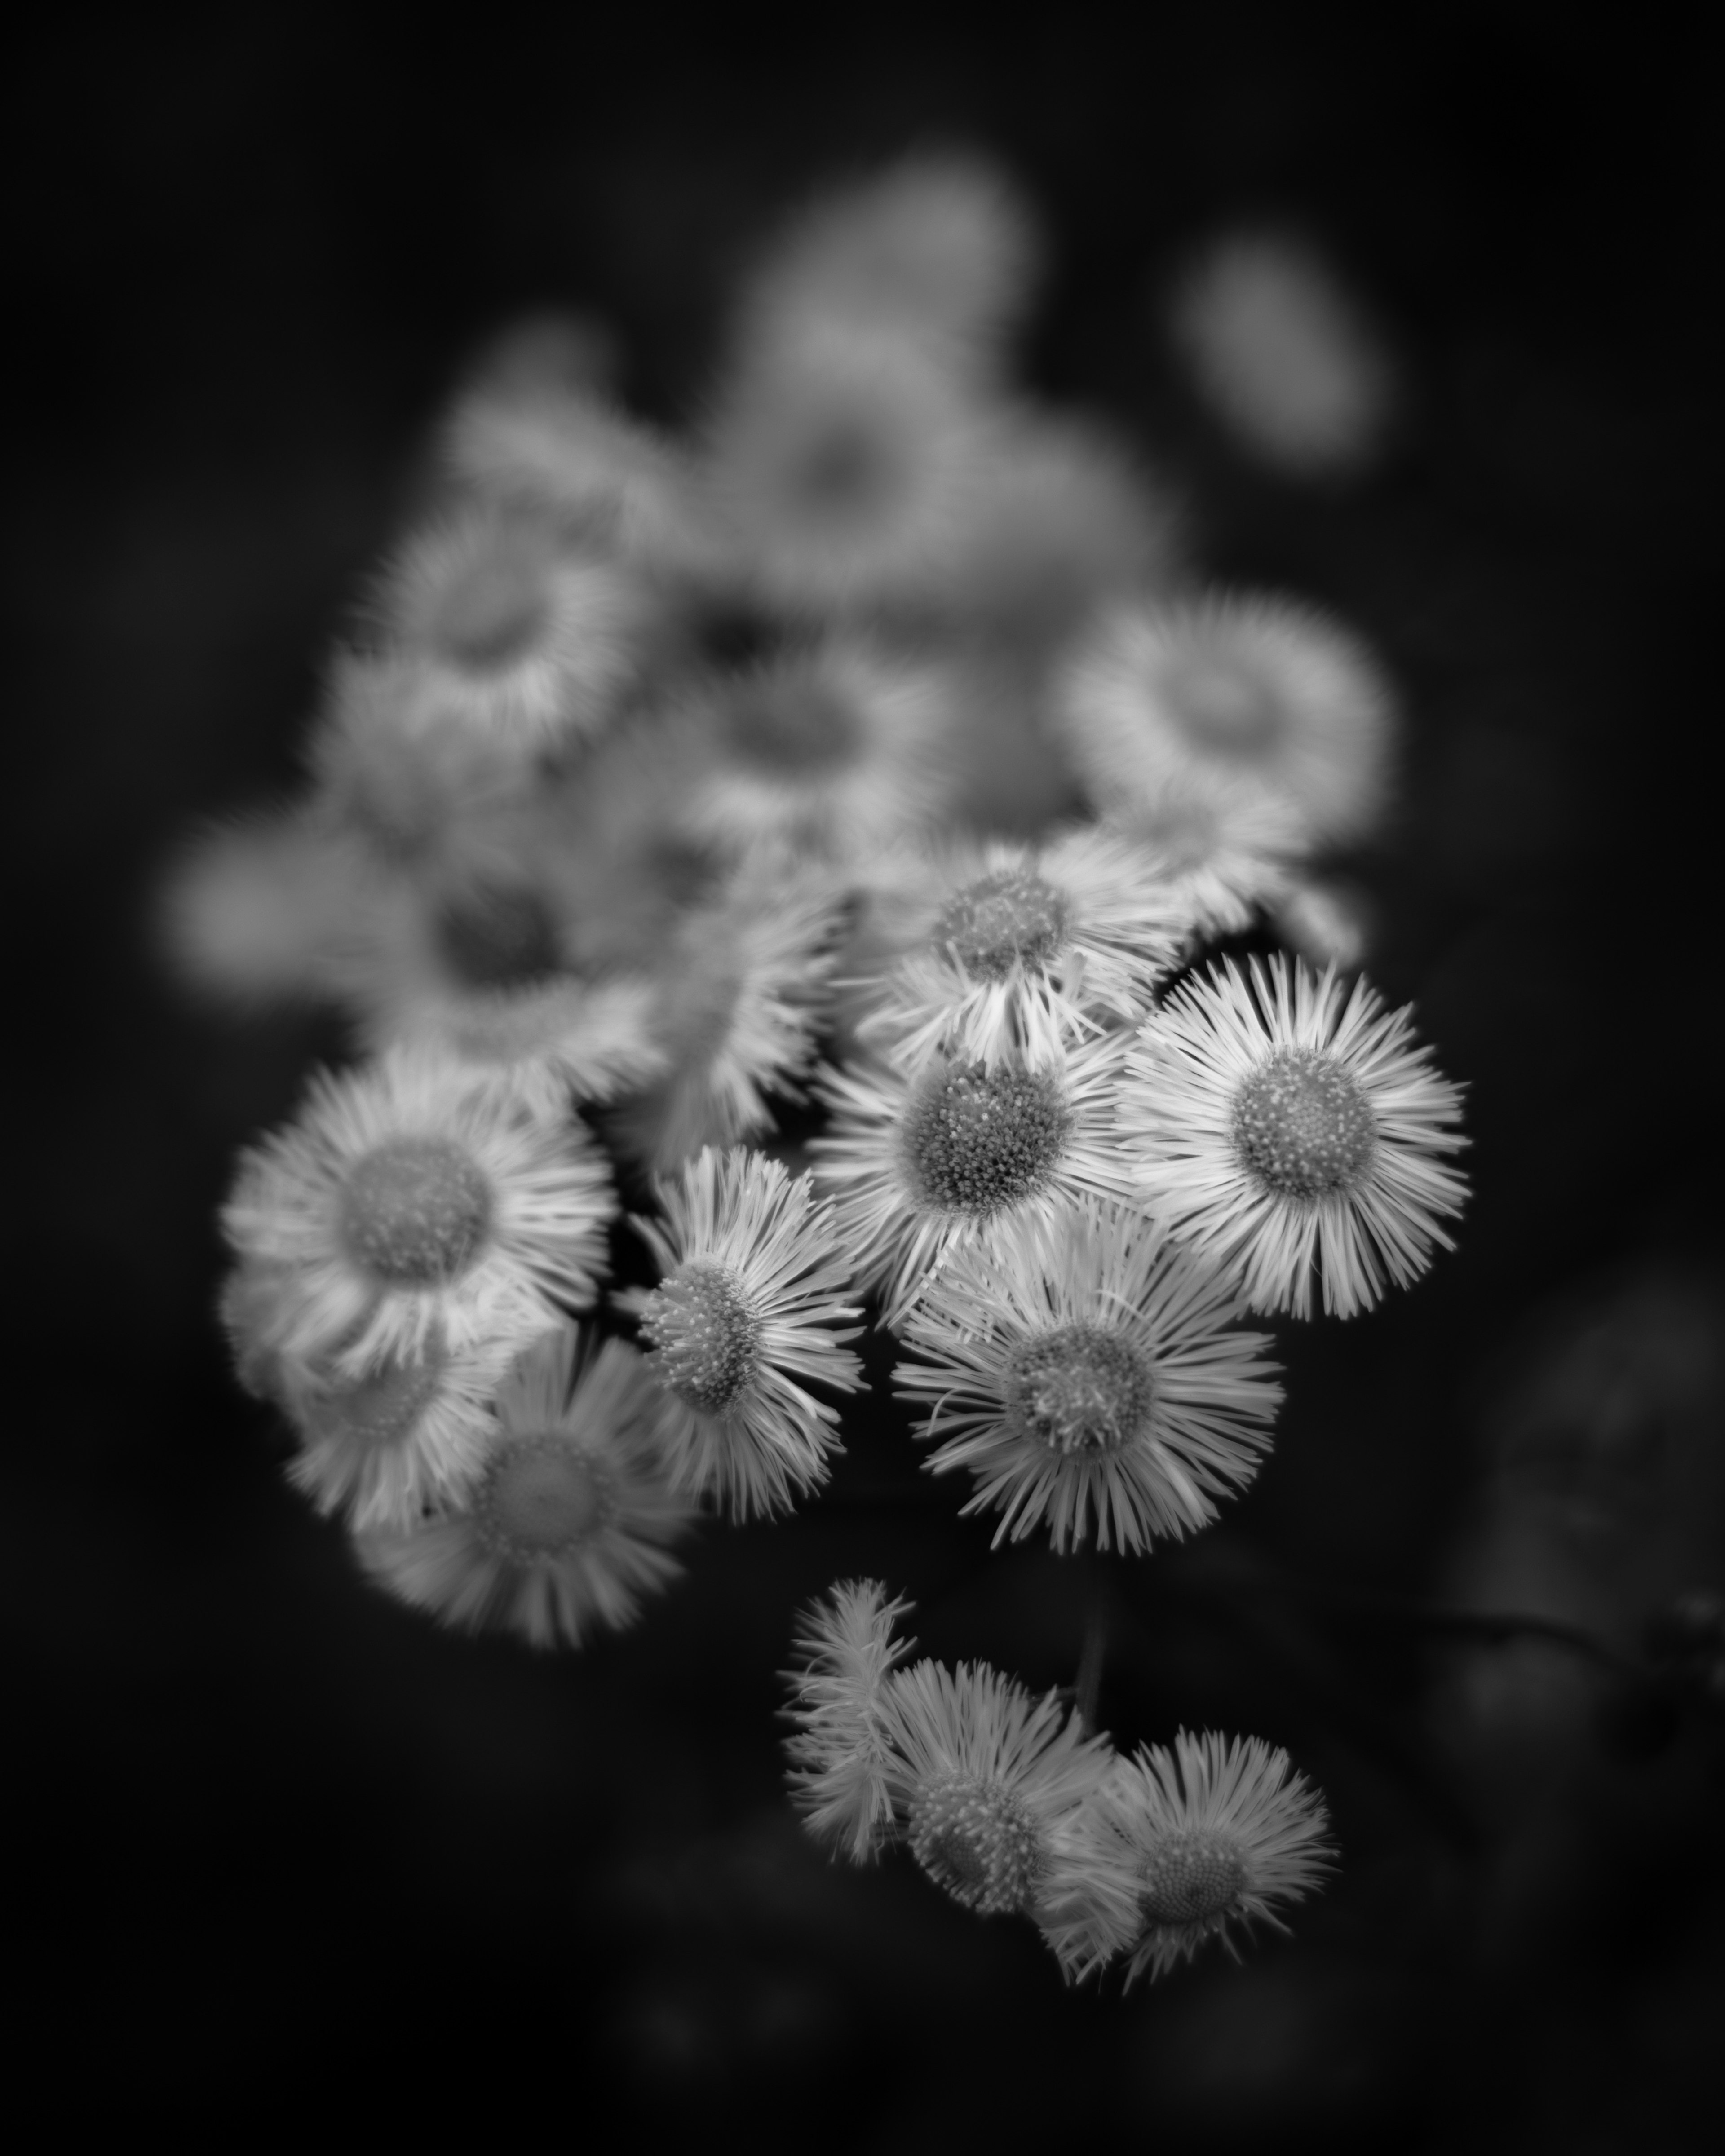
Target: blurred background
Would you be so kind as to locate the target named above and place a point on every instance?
(283, 1835)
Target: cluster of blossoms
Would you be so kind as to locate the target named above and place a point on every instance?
(876, 744)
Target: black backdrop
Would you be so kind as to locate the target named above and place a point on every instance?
(283, 1841)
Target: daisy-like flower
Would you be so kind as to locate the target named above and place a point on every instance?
(997, 1794)
(1086, 1366)
(527, 638)
(1285, 1131)
(838, 459)
(411, 1434)
(834, 751)
(1258, 691)
(846, 1653)
(740, 998)
(1219, 1829)
(918, 1163)
(751, 1300)
(404, 1203)
(568, 1524)
(1026, 948)
(1223, 849)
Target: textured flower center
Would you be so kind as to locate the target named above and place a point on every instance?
(977, 1839)
(1012, 918)
(493, 615)
(706, 1338)
(1303, 1126)
(1225, 708)
(792, 721)
(499, 939)
(380, 1410)
(842, 470)
(1079, 1388)
(541, 1497)
(415, 1212)
(1192, 1876)
(977, 1140)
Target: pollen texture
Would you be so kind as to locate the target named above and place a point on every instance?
(977, 1141)
(542, 1498)
(492, 617)
(380, 1410)
(1079, 1388)
(1223, 708)
(707, 1338)
(1303, 1126)
(976, 1839)
(415, 1212)
(1191, 1876)
(791, 723)
(1010, 919)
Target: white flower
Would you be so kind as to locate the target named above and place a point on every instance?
(1223, 849)
(568, 1523)
(1219, 1829)
(1254, 692)
(1084, 1365)
(405, 1204)
(751, 1300)
(839, 1779)
(1285, 1131)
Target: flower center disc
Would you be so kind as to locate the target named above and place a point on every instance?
(378, 1411)
(1224, 707)
(1012, 918)
(977, 1141)
(705, 1338)
(976, 1839)
(542, 1497)
(1191, 1876)
(791, 721)
(1079, 1388)
(842, 471)
(499, 939)
(415, 1212)
(1303, 1126)
(492, 617)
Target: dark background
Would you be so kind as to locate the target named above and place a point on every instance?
(281, 1837)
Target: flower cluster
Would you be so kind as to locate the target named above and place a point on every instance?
(873, 748)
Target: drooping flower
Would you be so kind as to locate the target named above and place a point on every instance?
(569, 1523)
(1084, 1365)
(846, 1653)
(1287, 1131)
(751, 1300)
(996, 1794)
(1024, 949)
(1221, 1830)
(919, 1163)
(405, 1202)
(1258, 693)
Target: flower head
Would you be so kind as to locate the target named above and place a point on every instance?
(919, 1163)
(1285, 1131)
(404, 1203)
(996, 1793)
(1219, 1829)
(1259, 693)
(846, 1653)
(1085, 1365)
(1222, 848)
(751, 1300)
(568, 1523)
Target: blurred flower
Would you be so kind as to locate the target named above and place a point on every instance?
(1220, 1830)
(1084, 1365)
(751, 1299)
(1222, 847)
(568, 1524)
(1284, 1131)
(846, 1653)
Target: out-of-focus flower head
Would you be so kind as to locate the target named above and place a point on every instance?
(1287, 1132)
(845, 1652)
(1085, 1366)
(568, 1524)
(1256, 693)
(1223, 847)
(750, 1309)
(404, 1203)
(1221, 1830)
